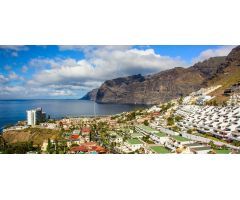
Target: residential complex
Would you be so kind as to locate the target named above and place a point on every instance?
(181, 126)
(223, 122)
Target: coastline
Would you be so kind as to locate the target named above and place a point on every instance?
(59, 109)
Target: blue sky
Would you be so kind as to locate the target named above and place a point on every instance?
(51, 71)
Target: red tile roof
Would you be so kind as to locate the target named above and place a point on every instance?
(86, 130)
(81, 148)
(90, 144)
(74, 137)
(100, 149)
(88, 147)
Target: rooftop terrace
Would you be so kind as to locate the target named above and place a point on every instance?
(134, 141)
(160, 134)
(201, 148)
(160, 149)
(222, 151)
(146, 128)
(136, 134)
(180, 138)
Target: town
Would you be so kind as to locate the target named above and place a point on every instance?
(186, 125)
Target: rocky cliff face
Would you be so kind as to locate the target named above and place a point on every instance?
(163, 86)
(234, 56)
(90, 95)
(210, 67)
(229, 75)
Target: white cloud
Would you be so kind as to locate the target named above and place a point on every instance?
(133, 61)
(11, 89)
(14, 47)
(90, 48)
(8, 92)
(206, 54)
(13, 50)
(24, 91)
(72, 47)
(13, 76)
(102, 63)
(59, 77)
(62, 93)
(3, 79)
(24, 69)
(69, 77)
(43, 63)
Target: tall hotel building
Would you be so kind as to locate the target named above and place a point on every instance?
(35, 116)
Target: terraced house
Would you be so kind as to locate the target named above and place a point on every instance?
(155, 135)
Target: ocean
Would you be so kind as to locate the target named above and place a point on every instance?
(12, 111)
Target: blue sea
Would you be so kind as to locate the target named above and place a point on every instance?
(12, 111)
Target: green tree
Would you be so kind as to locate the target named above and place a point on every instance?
(146, 123)
(56, 147)
(178, 118)
(212, 145)
(170, 121)
(224, 103)
(49, 146)
(180, 100)
(176, 128)
(131, 116)
(189, 131)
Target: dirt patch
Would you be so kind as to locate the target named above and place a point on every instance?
(36, 135)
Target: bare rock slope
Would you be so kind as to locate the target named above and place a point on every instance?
(165, 85)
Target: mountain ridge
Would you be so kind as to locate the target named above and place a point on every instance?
(165, 85)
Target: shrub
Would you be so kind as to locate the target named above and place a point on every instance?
(146, 123)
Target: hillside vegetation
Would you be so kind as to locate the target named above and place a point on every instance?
(228, 76)
(35, 135)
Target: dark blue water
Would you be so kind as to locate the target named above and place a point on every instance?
(12, 111)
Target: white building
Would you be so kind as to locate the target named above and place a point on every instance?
(203, 99)
(134, 144)
(179, 141)
(154, 109)
(159, 137)
(196, 148)
(155, 135)
(217, 120)
(35, 116)
(49, 125)
(117, 139)
(44, 146)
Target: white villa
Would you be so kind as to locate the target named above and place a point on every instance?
(134, 144)
(196, 148)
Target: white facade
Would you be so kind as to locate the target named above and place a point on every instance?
(44, 146)
(154, 109)
(35, 116)
(133, 147)
(217, 120)
(196, 148)
(203, 99)
(49, 125)
(159, 139)
(118, 139)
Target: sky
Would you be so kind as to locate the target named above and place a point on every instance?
(69, 72)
